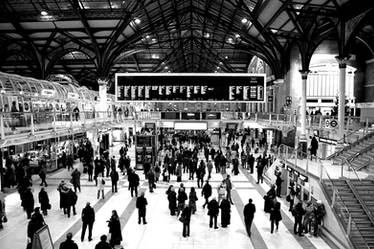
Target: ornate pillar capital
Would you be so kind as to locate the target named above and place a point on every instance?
(342, 60)
(304, 74)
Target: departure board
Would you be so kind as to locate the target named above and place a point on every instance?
(190, 87)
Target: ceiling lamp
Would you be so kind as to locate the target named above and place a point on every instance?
(230, 40)
(237, 36)
(137, 21)
(154, 40)
(226, 57)
(244, 20)
(147, 37)
(207, 35)
(44, 13)
(166, 67)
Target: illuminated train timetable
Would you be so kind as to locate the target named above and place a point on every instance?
(190, 87)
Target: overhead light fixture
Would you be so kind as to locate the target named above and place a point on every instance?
(218, 68)
(44, 13)
(137, 21)
(274, 30)
(220, 63)
(230, 40)
(244, 20)
(166, 67)
(154, 40)
(207, 35)
(155, 56)
(237, 36)
(226, 57)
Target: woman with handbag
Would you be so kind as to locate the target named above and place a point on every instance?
(114, 229)
(185, 218)
(44, 201)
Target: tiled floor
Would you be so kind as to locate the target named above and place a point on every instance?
(162, 231)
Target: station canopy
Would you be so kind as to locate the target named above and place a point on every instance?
(93, 39)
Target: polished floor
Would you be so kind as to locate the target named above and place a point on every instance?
(162, 231)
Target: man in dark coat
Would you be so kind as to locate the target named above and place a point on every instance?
(251, 162)
(68, 243)
(206, 192)
(103, 244)
(76, 180)
(213, 211)
(28, 202)
(182, 197)
(34, 225)
(88, 218)
(71, 200)
(298, 212)
(133, 183)
(141, 204)
(260, 170)
(172, 198)
(313, 148)
(225, 207)
(151, 180)
(275, 216)
(186, 214)
(44, 201)
(249, 212)
(114, 178)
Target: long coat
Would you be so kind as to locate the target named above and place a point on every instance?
(43, 200)
(275, 213)
(172, 197)
(115, 231)
(225, 207)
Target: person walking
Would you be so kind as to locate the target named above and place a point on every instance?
(114, 177)
(182, 197)
(269, 199)
(3, 217)
(44, 201)
(192, 200)
(260, 170)
(90, 169)
(68, 243)
(225, 207)
(221, 190)
(213, 211)
(210, 168)
(115, 229)
(313, 148)
(133, 179)
(298, 213)
(151, 180)
(43, 176)
(28, 202)
(103, 244)
(186, 220)
(88, 219)
(206, 192)
(76, 180)
(275, 216)
(172, 198)
(100, 187)
(179, 172)
(141, 204)
(249, 212)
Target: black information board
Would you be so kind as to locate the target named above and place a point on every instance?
(190, 86)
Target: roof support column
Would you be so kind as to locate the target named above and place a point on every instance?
(341, 105)
(103, 105)
(304, 77)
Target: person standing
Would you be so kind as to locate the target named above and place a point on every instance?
(225, 207)
(275, 216)
(210, 168)
(103, 244)
(114, 178)
(278, 183)
(133, 179)
(260, 170)
(88, 219)
(319, 213)
(69, 242)
(151, 180)
(76, 180)
(100, 187)
(115, 229)
(179, 172)
(192, 200)
(251, 162)
(141, 205)
(90, 171)
(2, 212)
(213, 211)
(228, 189)
(182, 197)
(44, 201)
(186, 219)
(28, 202)
(298, 213)
(71, 200)
(249, 212)
(206, 192)
(172, 198)
(313, 148)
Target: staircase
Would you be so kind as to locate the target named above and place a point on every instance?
(359, 154)
(355, 197)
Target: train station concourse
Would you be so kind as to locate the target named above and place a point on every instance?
(186, 124)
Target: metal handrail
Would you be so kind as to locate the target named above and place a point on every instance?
(351, 167)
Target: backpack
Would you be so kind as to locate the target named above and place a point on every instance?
(103, 182)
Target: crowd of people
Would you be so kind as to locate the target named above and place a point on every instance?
(193, 157)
